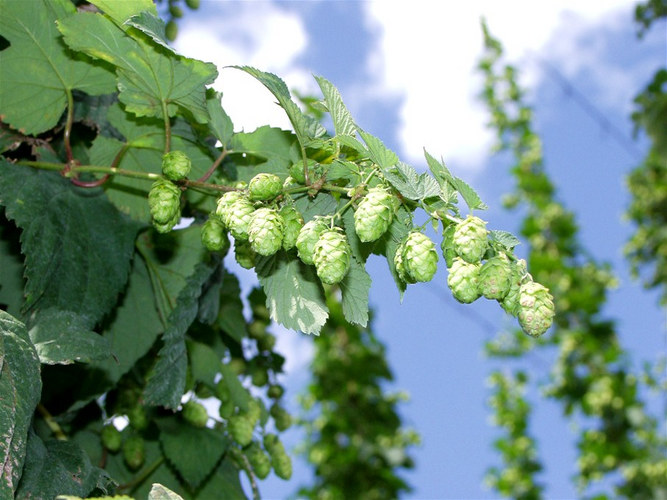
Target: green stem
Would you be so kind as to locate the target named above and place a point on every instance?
(167, 128)
(245, 465)
(68, 127)
(50, 421)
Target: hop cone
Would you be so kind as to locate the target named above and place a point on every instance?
(240, 427)
(280, 460)
(536, 308)
(374, 214)
(331, 256)
(176, 165)
(308, 236)
(259, 460)
(265, 231)
(238, 218)
(399, 263)
(164, 201)
(293, 223)
(225, 202)
(281, 417)
(167, 226)
(420, 260)
(463, 280)
(195, 414)
(264, 187)
(447, 245)
(111, 438)
(134, 452)
(270, 442)
(510, 303)
(495, 277)
(470, 239)
(214, 236)
(244, 254)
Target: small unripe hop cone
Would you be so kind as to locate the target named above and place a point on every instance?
(308, 236)
(331, 256)
(164, 203)
(264, 187)
(176, 165)
(536, 308)
(463, 281)
(265, 231)
(495, 277)
(195, 414)
(293, 222)
(374, 214)
(237, 218)
(214, 236)
(470, 239)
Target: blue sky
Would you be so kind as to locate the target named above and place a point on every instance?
(407, 76)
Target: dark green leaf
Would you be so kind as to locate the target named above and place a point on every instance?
(342, 119)
(59, 467)
(238, 393)
(309, 207)
(354, 288)
(20, 391)
(38, 72)
(204, 362)
(221, 124)
(352, 143)
(272, 145)
(379, 153)
(226, 478)
(193, 452)
(231, 308)
(11, 268)
(293, 293)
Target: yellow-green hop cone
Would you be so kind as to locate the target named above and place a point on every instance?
(164, 201)
(213, 235)
(240, 427)
(470, 239)
(238, 218)
(195, 414)
(281, 417)
(244, 254)
(193, 4)
(536, 308)
(447, 245)
(134, 452)
(281, 461)
(420, 259)
(399, 264)
(374, 214)
(111, 438)
(254, 411)
(270, 442)
(510, 302)
(293, 222)
(225, 202)
(331, 256)
(463, 280)
(495, 277)
(260, 461)
(176, 165)
(265, 231)
(264, 187)
(308, 236)
(171, 30)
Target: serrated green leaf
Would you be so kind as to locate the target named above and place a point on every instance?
(166, 380)
(62, 337)
(470, 196)
(58, 467)
(38, 72)
(237, 392)
(272, 145)
(506, 239)
(160, 492)
(322, 204)
(204, 362)
(9, 139)
(342, 119)
(151, 25)
(20, 391)
(352, 143)
(148, 77)
(411, 184)
(226, 480)
(11, 268)
(438, 169)
(293, 293)
(220, 124)
(388, 243)
(305, 127)
(360, 250)
(354, 289)
(379, 153)
(120, 12)
(192, 451)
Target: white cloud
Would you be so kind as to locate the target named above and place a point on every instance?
(427, 53)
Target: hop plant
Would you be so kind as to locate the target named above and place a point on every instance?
(260, 462)
(265, 231)
(238, 217)
(536, 308)
(225, 202)
(195, 414)
(293, 222)
(176, 165)
(245, 256)
(495, 277)
(470, 239)
(419, 258)
(308, 236)
(281, 461)
(134, 452)
(264, 187)
(214, 236)
(374, 214)
(281, 417)
(331, 256)
(111, 438)
(510, 303)
(164, 202)
(240, 427)
(463, 280)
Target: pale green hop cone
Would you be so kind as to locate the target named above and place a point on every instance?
(495, 277)
(164, 201)
(510, 303)
(240, 427)
(536, 308)
(420, 258)
(213, 235)
(238, 219)
(399, 264)
(224, 204)
(245, 256)
(265, 231)
(308, 236)
(281, 461)
(374, 214)
(169, 225)
(260, 461)
(293, 222)
(264, 187)
(331, 256)
(176, 165)
(470, 239)
(195, 414)
(463, 280)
